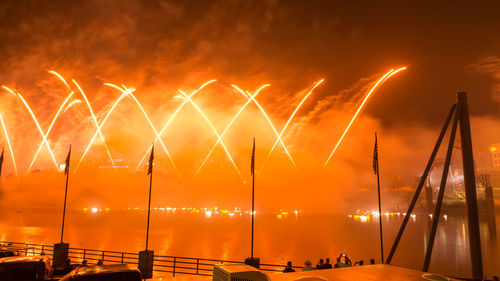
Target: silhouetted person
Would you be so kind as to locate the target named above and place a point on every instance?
(347, 262)
(320, 264)
(288, 267)
(372, 261)
(308, 266)
(99, 262)
(327, 264)
(361, 262)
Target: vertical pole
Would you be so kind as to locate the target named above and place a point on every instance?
(253, 196)
(470, 189)
(420, 185)
(64, 208)
(380, 214)
(442, 186)
(149, 206)
(253, 211)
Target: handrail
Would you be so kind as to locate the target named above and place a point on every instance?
(161, 263)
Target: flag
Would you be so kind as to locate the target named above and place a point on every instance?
(66, 168)
(151, 158)
(252, 166)
(375, 156)
(1, 162)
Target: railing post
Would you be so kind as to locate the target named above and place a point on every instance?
(197, 265)
(42, 249)
(103, 257)
(173, 271)
(84, 254)
(145, 263)
(122, 257)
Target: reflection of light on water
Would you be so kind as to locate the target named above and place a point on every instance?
(31, 230)
(208, 214)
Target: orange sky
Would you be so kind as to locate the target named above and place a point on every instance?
(161, 47)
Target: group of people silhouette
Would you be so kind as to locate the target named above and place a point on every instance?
(342, 261)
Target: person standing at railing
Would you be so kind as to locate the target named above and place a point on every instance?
(308, 266)
(288, 267)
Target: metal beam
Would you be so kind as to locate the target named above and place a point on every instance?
(420, 185)
(470, 189)
(442, 187)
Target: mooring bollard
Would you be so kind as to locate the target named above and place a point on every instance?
(60, 255)
(146, 263)
(255, 262)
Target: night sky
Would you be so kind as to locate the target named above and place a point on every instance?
(158, 47)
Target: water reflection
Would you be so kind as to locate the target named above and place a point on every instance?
(279, 237)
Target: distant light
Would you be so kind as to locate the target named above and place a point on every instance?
(445, 217)
(364, 218)
(279, 216)
(493, 149)
(387, 213)
(208, 214)
(95, 210)
(106, 209)
(231, 214)
(62, 167)
(430, 215)
(85, 209)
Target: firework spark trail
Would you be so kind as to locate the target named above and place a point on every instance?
(90, 109)
(229, 125)
(249, 96)
(39, 129)
(377, 84)
(10, 146)
(171, 119)
(48, 130)
(10, 91)
(71, 104)
(102, 124)
(288, 122)
(131, 95)
(215, 132)
(93, 118)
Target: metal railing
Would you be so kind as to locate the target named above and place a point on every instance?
(161, 263)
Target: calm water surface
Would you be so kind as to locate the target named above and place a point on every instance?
(277, 239)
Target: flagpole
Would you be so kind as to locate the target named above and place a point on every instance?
(379, 203)
(150, 171)
(66, 170)
(253, 195)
